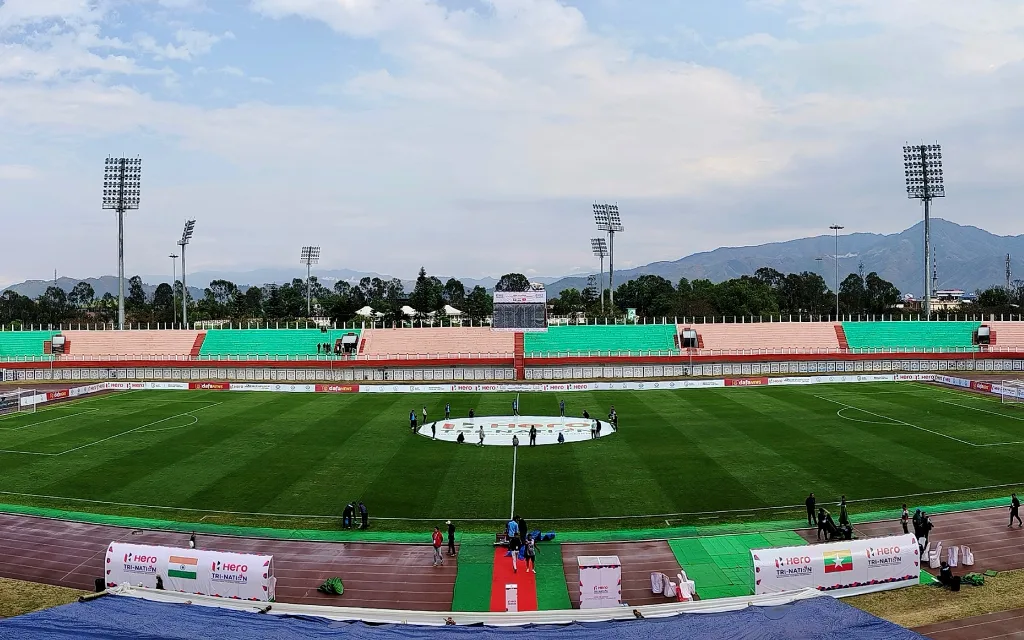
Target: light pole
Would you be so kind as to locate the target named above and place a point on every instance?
(922, 166)
(186, 235)
(607, 218)
(122, 180)
(600, 248)
(309, 257)
(174, 280)
(837, 228)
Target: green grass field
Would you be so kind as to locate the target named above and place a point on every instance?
(679, 455)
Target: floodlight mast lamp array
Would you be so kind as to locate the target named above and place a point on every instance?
(607, 218)
(309, 257)
(122, 182)
(600, 248)
(922, 166)
(186, 235)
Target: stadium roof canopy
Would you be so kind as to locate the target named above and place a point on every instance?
(126, 617)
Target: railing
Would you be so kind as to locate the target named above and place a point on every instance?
(377, 357)
(772, 351)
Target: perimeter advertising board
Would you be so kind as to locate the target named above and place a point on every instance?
(238, 576)
(893, 561)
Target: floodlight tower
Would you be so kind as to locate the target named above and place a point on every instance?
(607, 218)
(922, 166)
(837, 228)
(186, 235)
(174, 279)
(309, 257)
(600, 247)
(122, 181)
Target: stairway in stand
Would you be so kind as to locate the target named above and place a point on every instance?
(520, 357)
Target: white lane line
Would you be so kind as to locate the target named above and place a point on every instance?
(994, 413)
(879, 415)
(124, 433)
(515, 456)
(34, 424)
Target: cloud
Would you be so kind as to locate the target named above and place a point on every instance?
(192, 43)
(17, 172)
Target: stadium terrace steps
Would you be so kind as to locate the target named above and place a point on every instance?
(844, 344)
(573, 339)
(197, 346)
(268, 342)
(23, 343)
(1008, 334)
(437, 341)
(131, 343)
(910, 334)
(768, 335)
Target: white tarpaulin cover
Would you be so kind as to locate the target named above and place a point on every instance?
(893, 560)
(221, 574)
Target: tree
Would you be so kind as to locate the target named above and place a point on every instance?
(513, 282)
(745, 296)
(852, 294)
(82, 295)
(478, 303)
(15, 308)
(428, 294)
(135, 302)
(454, 293)
(53, 306)
(650, 295)
(163, 303)
(252, 302)
(880, 295)
(568, 302)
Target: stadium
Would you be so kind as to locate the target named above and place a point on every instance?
(702, 363)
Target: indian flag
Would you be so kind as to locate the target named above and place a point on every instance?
(836, 561)
(182, 567)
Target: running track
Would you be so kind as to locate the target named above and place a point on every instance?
(385, 576)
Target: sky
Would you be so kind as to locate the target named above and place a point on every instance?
(471, 137)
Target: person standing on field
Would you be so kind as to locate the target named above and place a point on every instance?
(531, 554)
(515, 441)
(412, 420)
(447, 411)
(424, 414)
(1014, 511)
(809, 503)
(905, 518)
(364, 515)
(515, 406)
(451, 538)
(433, 431)
(844, 517)
(437, 540)
(481, 442)
(513, 545)
(533, 435)
(561, 408)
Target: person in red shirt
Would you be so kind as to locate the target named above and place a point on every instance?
(438, 541)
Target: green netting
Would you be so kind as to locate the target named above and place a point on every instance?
(276, 342)
(332, 586)
(601, 338)
(17, 344)
(476, 570)
(909, 334)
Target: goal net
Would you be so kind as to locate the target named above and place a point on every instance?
(1012, 391)
(17, 401)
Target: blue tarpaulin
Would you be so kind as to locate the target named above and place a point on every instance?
(117, 617)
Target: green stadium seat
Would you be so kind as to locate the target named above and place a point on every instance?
(903, 335)
(602, 338)
(20, 344)
(268, 342)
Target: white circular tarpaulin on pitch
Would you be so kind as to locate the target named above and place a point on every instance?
(498, 430)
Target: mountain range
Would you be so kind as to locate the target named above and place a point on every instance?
(968, 258)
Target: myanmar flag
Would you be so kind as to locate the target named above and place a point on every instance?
(836, 561)
(182, 567)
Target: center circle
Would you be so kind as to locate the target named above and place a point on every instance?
(498, 430)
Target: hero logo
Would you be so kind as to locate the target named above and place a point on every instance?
(883, 556)
(228, 572)
(982, 386)
(793, 566)
(601, 589)
(140, 564)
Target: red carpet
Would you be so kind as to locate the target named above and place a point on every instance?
(503, 575)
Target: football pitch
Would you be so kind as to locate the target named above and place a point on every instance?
(681, 457)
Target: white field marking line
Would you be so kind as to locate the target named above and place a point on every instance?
(994, 413)
(71, 404)
(194, 421)
(718, 513)
(515, 456)
(34, 424)
(124, 433)
(840, 414)
(894, 420)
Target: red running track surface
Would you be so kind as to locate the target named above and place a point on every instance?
(385, 576)
(504, 575)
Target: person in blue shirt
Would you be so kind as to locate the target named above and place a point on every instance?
(561, 408)
(447, 411)
(412, 420)
(515, 407)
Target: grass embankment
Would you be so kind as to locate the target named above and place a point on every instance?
(18, 597)
(918, 606)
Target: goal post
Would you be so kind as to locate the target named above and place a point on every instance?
(17, 401)
(1011, 391)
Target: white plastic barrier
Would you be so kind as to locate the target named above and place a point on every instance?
(885, 563)
(220, 574)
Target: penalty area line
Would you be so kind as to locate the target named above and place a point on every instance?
(124, 433)
(896, 421)
(35, 424)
